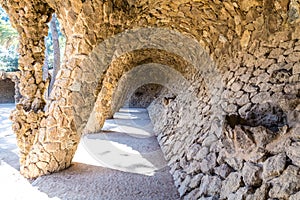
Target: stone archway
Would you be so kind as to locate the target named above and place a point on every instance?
(255, 45)
(145, 74)
(133, 79)
(169, 45)
(75, 92)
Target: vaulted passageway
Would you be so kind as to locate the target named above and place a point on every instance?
(237, 58)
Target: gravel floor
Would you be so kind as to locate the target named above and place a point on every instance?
(124, 162)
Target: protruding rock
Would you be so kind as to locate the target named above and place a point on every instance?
(231, 184)
(210, 185)
(286, 184)
(251, 174)
(293, 152)
(223, 170)
(274, 166)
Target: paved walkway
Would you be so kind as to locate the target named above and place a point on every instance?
(122, 162)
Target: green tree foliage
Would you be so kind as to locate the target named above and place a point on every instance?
(8, 44)
(9, 60)
(8, 35)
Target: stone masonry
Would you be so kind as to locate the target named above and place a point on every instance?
(228, 116)
(144, 95)
(7, 90)
(9, 87)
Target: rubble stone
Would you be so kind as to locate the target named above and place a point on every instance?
(286, 184)
(231, 184)
(251, 174)
(274, 166)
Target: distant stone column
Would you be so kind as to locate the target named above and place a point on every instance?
(15, 77)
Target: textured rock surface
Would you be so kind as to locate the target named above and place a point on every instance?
(286, 184)
(239, 99)
(251, 174)
(274, 166)
(7, 91)
(144, 95)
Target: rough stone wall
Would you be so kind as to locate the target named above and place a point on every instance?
(7, 91)
(253, 45)
(252, 153)
(144, 95)
(147, 74)
(240, 162)
(244, 158)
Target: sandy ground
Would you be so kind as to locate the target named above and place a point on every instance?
(122, 162)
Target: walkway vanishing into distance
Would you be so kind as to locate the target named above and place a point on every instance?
(124, 161)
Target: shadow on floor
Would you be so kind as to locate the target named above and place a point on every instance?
(82, 181)
(10, 158)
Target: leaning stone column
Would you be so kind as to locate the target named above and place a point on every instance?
(48, 135)
(30, 20)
